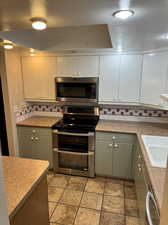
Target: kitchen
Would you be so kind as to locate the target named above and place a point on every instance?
(85, 108)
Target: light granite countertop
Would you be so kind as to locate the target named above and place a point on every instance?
(21, 176)
(156, 175)
(39, 121)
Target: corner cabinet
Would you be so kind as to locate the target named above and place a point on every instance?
(114, 154)
(35, 143)
(154, 78)
(38, 77)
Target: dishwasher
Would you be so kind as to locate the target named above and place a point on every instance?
(152, 211)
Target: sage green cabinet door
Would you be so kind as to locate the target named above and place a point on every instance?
(122, 160)
(26, 146)
(42, 148)
(103, 158)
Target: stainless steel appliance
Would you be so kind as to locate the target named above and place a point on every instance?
(152, 211)
(77, 89)
(74, 141)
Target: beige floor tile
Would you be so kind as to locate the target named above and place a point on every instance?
(81, 180)
(114, 189)
(95, 186)
(52, 207)
(64, 214)
(111, 219)
(132, 220)
(131, 208)
(130, 192)
(91, 200)
(49, 176)
(113, 204)
(71, 197)
(76, 186)
(87, 217)
(59, 181)
(54, 193)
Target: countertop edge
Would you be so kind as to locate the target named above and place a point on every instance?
(27, 194)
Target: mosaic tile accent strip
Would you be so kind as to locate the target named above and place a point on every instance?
(142, 112)
(131, 111)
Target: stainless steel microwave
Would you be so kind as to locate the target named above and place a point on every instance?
(77, 89)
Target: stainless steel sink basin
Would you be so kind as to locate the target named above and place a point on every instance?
(157, 150)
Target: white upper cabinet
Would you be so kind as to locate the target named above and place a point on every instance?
(87, 66)
(154, 78)
(67, 66)
(108, 78)
(130, 78)
(38, 77)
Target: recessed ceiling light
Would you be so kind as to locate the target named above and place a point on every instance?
(8, 45)
(39, 23)
(123, 14)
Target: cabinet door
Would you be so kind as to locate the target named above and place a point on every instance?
(122, 160)
(67, 66)
(26, 146)
(103, 158)
(88, 66)
(38, 77)
(109, 78)
(42, 148)
(130, 78)
(154, 78)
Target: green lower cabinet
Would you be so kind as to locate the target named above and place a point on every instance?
(35, 143)
(140, 184)
(122, 160)
(114, 155)
(103, 158)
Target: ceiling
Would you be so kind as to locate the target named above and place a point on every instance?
(144, 31)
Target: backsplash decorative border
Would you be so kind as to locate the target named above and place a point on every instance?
(113, 110)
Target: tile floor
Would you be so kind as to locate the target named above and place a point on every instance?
(91, 201)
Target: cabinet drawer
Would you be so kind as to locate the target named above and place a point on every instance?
(117, 137)
(36, 131)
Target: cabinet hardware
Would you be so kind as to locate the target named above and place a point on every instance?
(116, 146)
(139, 169)
(34, 131)
(113, 138)
(32, 138)
(139, 156)
(110, 145)
(139, 165)
(36, 138)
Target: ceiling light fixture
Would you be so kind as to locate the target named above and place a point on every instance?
(39, 23)
(32, 52)
(8, 45)
(123, 14)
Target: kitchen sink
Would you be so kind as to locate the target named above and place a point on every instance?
(157, 150)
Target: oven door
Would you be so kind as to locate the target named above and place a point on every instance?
(76, 89)
(152, 212)
(73, 153)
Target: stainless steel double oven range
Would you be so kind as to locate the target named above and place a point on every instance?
(74, 141)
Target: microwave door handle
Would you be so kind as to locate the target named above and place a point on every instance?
(74, 134)
(148, 196)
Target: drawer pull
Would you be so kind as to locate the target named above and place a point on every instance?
(34, 131)
(110, 145)
(116, 146)
(32, 138)
(139, 156)
(113, 138)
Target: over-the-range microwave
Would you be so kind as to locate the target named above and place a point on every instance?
(77, 89)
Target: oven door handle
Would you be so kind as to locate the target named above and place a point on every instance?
(72, 153)
(148, 197)
(74, 134)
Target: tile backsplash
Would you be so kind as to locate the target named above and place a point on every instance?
(113, 110)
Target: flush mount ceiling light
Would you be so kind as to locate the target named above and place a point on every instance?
(8, 45)
(32, 52)
(39, 23)
(123, 14)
